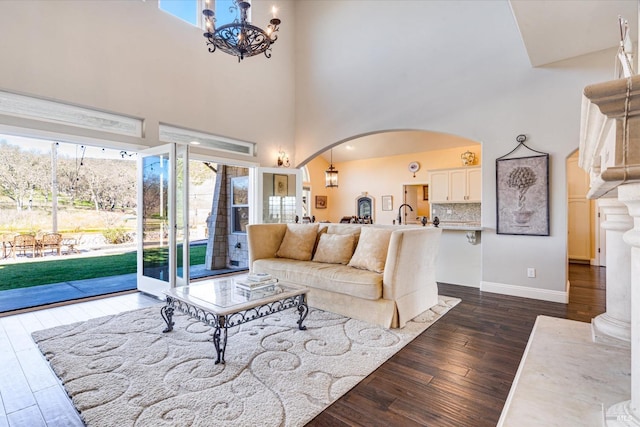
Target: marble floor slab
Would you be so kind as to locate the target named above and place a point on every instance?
(565, 379)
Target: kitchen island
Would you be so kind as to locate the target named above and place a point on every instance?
(459, 259)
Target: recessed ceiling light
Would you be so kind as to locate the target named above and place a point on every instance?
(349, 147)
(195, 142)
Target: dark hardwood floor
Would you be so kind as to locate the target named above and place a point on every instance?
(587, 297)
(459, 371)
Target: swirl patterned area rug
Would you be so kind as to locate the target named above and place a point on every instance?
(123, 371)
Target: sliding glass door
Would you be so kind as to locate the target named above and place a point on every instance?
(241, 195)
(163, 240)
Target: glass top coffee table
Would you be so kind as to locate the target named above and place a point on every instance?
(221, 304)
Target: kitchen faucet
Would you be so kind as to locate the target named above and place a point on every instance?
(400, 212)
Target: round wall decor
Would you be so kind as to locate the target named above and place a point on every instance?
(414, 167)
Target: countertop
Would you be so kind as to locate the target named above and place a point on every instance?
(462, 226)
(456, 225)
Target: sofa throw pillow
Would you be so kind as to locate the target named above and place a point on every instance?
(371, 252)
(354, 230)
(298, 242)
(335, 248)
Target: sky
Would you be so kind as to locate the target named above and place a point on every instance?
(188, 10)
(65, 149)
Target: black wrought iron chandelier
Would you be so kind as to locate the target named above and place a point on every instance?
(240, 38)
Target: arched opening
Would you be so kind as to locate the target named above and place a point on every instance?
(583, 238)
(585, 242)
(394, 167)
(412, 175)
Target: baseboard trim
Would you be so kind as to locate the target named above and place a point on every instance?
(525, 292)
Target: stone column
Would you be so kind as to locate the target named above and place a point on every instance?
(628, 413)
(216, 257)
(614, 326)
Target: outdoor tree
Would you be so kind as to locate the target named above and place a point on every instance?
(69, 183)
(106, 184)
(199, 172)
(111, 184)
(23, 174)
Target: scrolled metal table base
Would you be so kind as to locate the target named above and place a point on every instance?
(221, 323)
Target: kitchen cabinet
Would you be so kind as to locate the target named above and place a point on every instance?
(474, 185)
(454, 251)
(439, 187)
(462, 185)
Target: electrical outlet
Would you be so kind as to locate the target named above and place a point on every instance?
(531, 272)
(448, 211)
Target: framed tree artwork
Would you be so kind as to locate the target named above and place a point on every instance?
(523, 194)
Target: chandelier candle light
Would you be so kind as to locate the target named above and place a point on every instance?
(240, 38)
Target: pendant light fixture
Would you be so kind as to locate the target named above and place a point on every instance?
(331, 175)
(240, 38)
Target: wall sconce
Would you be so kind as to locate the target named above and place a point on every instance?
(468, 158)
(283, 160)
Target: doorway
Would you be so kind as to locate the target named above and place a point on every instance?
(163, 245)
(416, 196)
(584, 239)
(178, 241)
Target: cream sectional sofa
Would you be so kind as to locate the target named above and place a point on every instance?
(380, 274)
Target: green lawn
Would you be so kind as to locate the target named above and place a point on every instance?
(27, 274)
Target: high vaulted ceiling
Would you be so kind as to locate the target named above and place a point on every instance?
(551, 31)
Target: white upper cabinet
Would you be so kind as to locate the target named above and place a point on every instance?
(458, 185)
(462, 185)
(474, 185)
(439, 187)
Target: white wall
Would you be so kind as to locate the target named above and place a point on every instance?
(131, 58)
(457, 67)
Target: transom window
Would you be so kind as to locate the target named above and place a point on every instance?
(191, 10)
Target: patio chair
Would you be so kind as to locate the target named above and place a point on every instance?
(23, 243)
(6, 240)
(52, 241)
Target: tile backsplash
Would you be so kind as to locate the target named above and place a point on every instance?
(468, 212)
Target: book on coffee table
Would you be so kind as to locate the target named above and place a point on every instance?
(252, 285)
(254, 294)
(259, 277)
